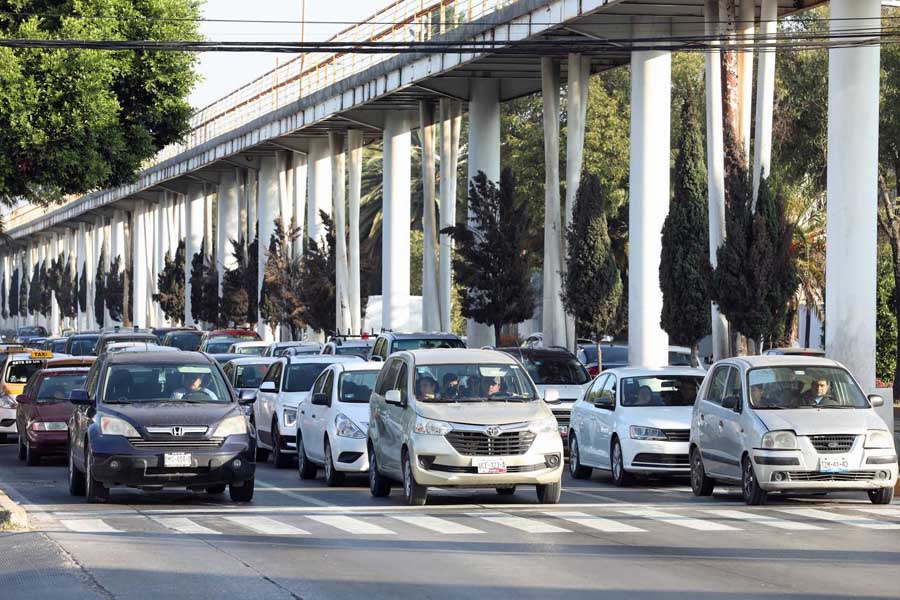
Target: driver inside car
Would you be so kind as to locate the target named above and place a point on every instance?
(192, 385)
(427, 388)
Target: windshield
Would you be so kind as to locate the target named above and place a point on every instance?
(58, 346)
(426, 344)
(57, 388)
(83, 346)
(473, 383)
(189, 340)
(251, 350)
(21, 370)
(356, 386)
(804, 387)
(300, 377)
(27, 331)
(614, 355)
(556, 370)
(219, 346)
(664, 390)
(362, 351)
(249, 376)
(135, 383)
(245, 336)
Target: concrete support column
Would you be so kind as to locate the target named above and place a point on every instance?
(431, 310)
(651, 90)
(395, 231)
(193, 239)
(339, 195)
(30, 259)
(141, 217)
(319, 187)
(157, 252)
(355, 150)
(484, 155)
(243, 228)
(851, 253)
(765, 95)
(267, 211)
(227, 224)
(554, 318)
(285, 187)
(252, 190)
(745, 31)
(298, 208)
(52, 255)
(451, 124)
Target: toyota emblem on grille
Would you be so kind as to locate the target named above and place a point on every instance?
(493, 431)
(178, 431)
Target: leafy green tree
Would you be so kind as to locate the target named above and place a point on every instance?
(14, 294)
(684, 270)
(170, 284)
(784, 281)
(115, 290)
(886, 318)
(491, 261)
(100, 290)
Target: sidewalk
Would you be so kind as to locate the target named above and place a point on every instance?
(31, 566)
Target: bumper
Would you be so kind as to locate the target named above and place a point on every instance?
(437, 463)
(7, 420)
(48, 442)
(656, 457)
(349, 454)
(798, 470)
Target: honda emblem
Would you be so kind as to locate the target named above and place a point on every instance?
(178, 431)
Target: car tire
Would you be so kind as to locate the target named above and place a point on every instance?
(279, 458)
(3, 438)
(506, 491)
(32, 458)
(21, 448)
(244, 493)
(620, 476)
(216, 489)
(76, 477)
(333, 477)
(882, 496)
(549, 493)
(305, 467)
(701, 484)
(94, 491)
(576, 469)
(753, 494)
(415, 494)
(262, 455)
(379, 485)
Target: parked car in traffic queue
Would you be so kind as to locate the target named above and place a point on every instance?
(17, 369)
(44, 410)
(245, 375)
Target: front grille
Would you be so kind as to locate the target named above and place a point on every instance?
(818, 476)
(177, 471)
(477, 443)
(175, 444)
(518, 469)
(646, 459)
(832, 444)
(562, 418)
(677, 435)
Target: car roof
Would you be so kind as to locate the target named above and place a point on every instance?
(782, 360)
(81, 334)
(180, 357)
(225, 332)
(351, 342)
(437, 335)
(127, 334)
(62, 371)
(321, 358)
(65, 363)
(358, 365)
(251, 344)
(537, 352)
(651, 372)
(254, 360)
(452, 356)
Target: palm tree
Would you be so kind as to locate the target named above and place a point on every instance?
(807, 212)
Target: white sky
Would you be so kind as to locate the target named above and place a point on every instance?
(226, 71)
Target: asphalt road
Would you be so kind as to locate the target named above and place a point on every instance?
(301, 539)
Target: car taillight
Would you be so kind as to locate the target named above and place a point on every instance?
(593, 371)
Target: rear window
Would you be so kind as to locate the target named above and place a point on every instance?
(21, 371)
(219, 347)
(554, 370)
(356, 386)
(614, 354)
(352, 351)
(58, 387)
(249, 376)
(58, 346)
(83, 346)
(669, 390)
(25, 331)
(187, 340)
(251, 350)
(300, 378)
(426, 344)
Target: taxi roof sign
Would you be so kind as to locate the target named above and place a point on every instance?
(41, 354)
(11, 349)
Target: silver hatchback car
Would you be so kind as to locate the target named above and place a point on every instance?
(789, 423)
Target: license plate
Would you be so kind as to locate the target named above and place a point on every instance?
(491, 466)
(177, 459)
(563, 430)
(834, 464)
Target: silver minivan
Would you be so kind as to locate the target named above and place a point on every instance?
(461, 418)
(789, 423)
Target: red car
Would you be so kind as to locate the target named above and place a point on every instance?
(238, 335)
(43, 412)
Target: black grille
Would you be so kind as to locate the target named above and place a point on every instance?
(819, 476)
(646, 459)
(832, 444)
(562, 418)
(476, 443)
(175, 444)
(678, 435)
(517, 469)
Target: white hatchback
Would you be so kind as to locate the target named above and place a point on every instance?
(334, 420)
(634, 421)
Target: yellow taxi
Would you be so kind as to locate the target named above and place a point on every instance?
(17, 369)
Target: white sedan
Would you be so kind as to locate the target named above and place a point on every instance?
(634, 420)
(334, 420)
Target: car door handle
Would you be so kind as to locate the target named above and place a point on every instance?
(313, 416)
(721, 424)
(302, 412)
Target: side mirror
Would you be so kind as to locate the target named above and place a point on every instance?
(22, 399)
(80, 398)
(320, 399)
(268, 386)
(730, 403)
(393, 397)
(247, 397)
(551, 396)
(605, 405)
(876, 401)
(376, 358)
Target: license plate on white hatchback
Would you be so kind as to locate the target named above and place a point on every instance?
(834, 464)
(177, 459)
(563, 430)
(490, 466)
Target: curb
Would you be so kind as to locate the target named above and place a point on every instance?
(12, 515)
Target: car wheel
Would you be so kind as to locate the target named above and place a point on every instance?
(21, 448)
(305, 467)
(94, 490)
(576, 469)
(415, 494)
(506, 491)
(881, 496)
(32, 458)
(549, 493)
(262, 455)
(379, 485)
(216, 489)
(753, 494)
(620, 476)
(76, 477)
(279, 458)
(333, 477)
(701, 485)
(244, 493)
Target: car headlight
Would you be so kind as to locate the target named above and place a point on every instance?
(779, 440)
(114, 426)
(344, 427)
(49, 426)
(290, 417)
(636, 432)
(236, 425)
(545, 425)
(7, 401)
(879, 438)
(428, 427)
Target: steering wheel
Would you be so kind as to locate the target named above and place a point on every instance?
(196, 395)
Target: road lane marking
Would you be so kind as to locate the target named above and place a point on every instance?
(689, 522)
(887, 512)
(595, 522)
(764, 520)
(88, 526)
(351, 525)
(302, 497)
(183, 525)
(857, 521)
(437, 525)
(267, 526)
(520, 523)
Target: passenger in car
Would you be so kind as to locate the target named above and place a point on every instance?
(451, 386)
(818, 394)
(645, 396)
(492, 386)
(426, 388)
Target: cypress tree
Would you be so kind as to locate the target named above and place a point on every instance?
(36, 289)
(100, 291)
(771, 207)
(170, 284)
(318, 294)
(197, 264)
(235, 298)
(14, 294)
(83, 290)
(115, 290)
(253, 279)
(24, 296)
(3, 310)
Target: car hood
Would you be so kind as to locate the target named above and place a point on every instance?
(483, 413)
(52, 411)
(661, 417)
(293, 399)
(161, 414)
(815, 421)
(567, 393)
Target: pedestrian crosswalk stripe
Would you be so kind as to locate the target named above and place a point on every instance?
(183, 525)
(690, 523)
(594, 522)
(814, 513)
(437, 525)
(886, 512)
(351, 525)
(267, 526)
(88, 526)
(520, 523)
(764, 520)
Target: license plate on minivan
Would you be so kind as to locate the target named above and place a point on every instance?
(834, 464)
(177, 459)
(491, 466)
